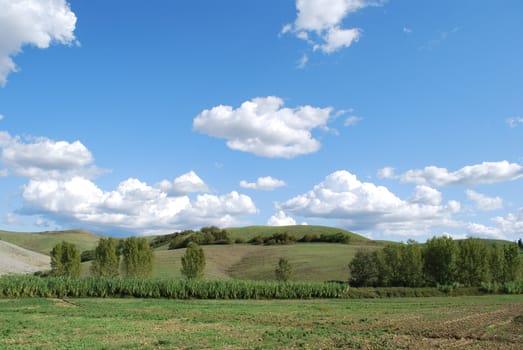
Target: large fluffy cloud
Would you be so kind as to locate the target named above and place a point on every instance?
(281, 219)
(367, 207)
(266, 183)
(133, 206)
(319, 22)
(264, 127)
(32, 22)
(42, 157)
(484, 173)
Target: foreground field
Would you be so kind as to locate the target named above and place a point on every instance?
(487, 322)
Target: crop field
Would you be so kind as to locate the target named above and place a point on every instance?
(487, 322)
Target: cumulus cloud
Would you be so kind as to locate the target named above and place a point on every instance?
(266, 183)
(483, 202)
(368, 207)
(516, 121)
(319, 22)
(512, 223)
(386, 173)
(264, 127)
(37, 23)
(184, 184)
(484, 173)
(281, 219)
(42, 158)
(133, 206)
(483, 231)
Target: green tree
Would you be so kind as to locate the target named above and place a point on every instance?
(138, 257)
(391, 273)
(472, 266)
(283, 270)
(439, 260)
(65, 260)
(412, 265)
(106, 260)
(512, 263)
(364, 269)
(193, 262)
(496, 258)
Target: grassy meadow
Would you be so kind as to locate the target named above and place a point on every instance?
(127, 323)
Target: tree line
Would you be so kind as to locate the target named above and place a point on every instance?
(441, 261)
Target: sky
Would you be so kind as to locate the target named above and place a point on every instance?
(394, 119)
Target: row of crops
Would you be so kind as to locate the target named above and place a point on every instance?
(59, 287)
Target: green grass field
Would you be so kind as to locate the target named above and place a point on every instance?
(423, 323)
(43, 242)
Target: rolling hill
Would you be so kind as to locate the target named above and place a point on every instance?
(15, 260)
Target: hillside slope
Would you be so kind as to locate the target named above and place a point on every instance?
(16, 260)
(43, 242)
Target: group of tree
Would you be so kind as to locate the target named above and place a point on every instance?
(135, 254)
(206, 236)
(282, 238)
(441, 261)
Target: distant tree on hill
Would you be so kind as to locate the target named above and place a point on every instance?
(65, 260)
(283, 270)
(106, 260)
(193, 262)
(138, 257)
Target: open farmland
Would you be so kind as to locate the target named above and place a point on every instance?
(486, 322)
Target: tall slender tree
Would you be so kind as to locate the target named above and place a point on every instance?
(106, 260)
(138, 257)
(65, 260)
(193, 262)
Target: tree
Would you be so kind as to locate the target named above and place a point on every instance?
(439, 262)
(512, 263)
(138, 257)
(364, 269)
(472, 262)
(283, 270)
(65, 260)
(412, 265)
(193, 262)
(106, 260)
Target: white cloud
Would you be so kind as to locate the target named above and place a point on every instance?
(482, 231)
(386, 173)
(368, 207)
(43, 158)
(512, 223)
(484, 173)
(483, 202)
(407, 30)
(319, 22)
(302, 63)
(281, 219)
(184, 184)
(132, 206)
(352, 120)
(513, 122)
(10, 219)
(336, 38)
(262, 126)
(37, 23)
(1, 117)
(266, 183)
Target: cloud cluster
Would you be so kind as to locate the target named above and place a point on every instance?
(484, 173)
(319, 22)
(267, 183)
(264, 127)
(60, 187)
(32, 22)
(133, 206)
(367, 207)
(513, 122)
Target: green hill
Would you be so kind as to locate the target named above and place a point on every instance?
(43, 242)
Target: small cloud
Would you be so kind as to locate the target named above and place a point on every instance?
(352, 120)
(431, 44)
(483, 202)
(302, 63)
(266, 183)
(386, 173)
(10, 219)
(407, 30)
(514, 122)
(1, 117)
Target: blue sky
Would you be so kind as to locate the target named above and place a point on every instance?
(393, 119)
